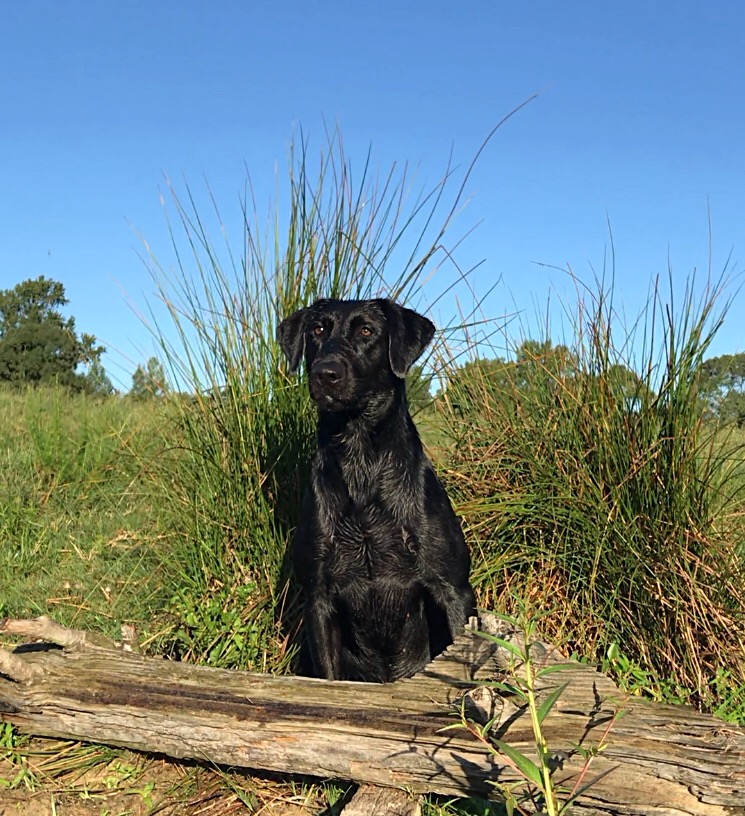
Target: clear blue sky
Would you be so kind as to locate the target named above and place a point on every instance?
(640, 121)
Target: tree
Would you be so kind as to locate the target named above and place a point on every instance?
(97, 381)
(479, 381)
(721, 383)
(537, 364)
(542, 361)
(37, 344)
(149, 381)
(722, 387)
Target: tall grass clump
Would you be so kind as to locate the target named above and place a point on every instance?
(245, 429)
(593, 486)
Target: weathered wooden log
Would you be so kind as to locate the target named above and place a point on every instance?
(657, 760)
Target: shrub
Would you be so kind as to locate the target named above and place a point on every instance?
(592, 486)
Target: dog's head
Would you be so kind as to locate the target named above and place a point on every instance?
(353, 348)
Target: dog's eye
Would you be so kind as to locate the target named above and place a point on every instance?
(366, 331)
(318, 330)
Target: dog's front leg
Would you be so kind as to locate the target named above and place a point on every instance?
(325, 638)
(460, 605)
(455, 597)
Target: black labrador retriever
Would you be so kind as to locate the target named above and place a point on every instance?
(378, 550)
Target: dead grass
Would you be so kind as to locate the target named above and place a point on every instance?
(61, 778)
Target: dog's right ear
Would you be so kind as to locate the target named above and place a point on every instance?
(291, 337)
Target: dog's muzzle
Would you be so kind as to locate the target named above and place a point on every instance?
(327, 381)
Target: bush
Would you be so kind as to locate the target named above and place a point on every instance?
(602, 494)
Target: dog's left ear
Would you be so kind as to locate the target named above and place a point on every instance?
(291, 337)
(409, 333)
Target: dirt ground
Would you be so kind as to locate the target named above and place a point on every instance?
(53, 802)
(136, 786)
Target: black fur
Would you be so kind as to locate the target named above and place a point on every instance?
(378, 550)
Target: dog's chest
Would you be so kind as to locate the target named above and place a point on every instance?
(369, 514)
(368, 546)
(372, 534)
(361, 475)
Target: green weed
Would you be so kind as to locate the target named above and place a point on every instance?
(440, 806)
(538, 792)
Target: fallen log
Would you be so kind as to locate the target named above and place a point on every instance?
(655, 760)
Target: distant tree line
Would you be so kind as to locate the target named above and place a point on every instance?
(721, 381)
(38, 345)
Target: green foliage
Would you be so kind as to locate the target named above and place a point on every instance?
(629, 676)
(97, 381)
(595, 486)
(37, 344)
(469, 384)
(10, 739)
(536, 365)
(225, 629)
(440, 806)
(726, 692)
(507, 380)
(722, 387)
(418, 384)
(150, 381)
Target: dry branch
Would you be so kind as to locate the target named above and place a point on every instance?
(660, 760)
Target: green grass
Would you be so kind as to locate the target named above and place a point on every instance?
(77, 519)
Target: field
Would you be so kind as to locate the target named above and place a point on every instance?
(595, 492)
(89, 539)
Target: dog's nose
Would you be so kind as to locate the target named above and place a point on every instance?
(328, 372)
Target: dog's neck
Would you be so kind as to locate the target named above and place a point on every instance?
(383, 419)
(372, 452)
